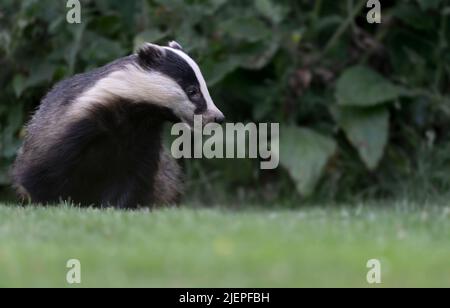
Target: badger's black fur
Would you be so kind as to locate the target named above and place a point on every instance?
(114, 158)
(113, 154)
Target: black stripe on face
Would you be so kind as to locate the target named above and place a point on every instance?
(179, 70)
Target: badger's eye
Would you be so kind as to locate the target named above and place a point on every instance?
(193, 92)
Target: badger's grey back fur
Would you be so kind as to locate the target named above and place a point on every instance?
(50, 119)
(96, 138)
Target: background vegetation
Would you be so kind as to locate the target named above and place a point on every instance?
(364, 109)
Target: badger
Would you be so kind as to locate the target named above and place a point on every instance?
(96, 138)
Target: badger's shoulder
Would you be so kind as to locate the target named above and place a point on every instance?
(50, 118)
(68, 90)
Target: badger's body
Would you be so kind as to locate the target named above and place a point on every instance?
(96, 139)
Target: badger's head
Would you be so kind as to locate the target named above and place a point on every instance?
(174, 81)
(162, 76)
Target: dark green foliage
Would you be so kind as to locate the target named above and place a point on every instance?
(373, 101)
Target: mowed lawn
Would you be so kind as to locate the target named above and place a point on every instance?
(316, 246)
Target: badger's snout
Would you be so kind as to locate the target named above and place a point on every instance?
(214, 116)
(219, 118)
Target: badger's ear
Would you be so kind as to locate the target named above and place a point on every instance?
(175, 45)
(150, 54)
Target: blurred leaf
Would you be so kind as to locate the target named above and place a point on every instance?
(75, 47)
(429, 4)
(4, 178)
(247, 29)
(188, 37)
(216, 71)
(56, 24)
(328, 22)
(172, 4)
(259, 55)
(101, 50)
(367, 129)
(266, 95)
(40, 75)
(107, 25)
(127, 10)
(19, 85)
(148, 36)
(413, 16)
(270, 10)
(11, 143)
(210, 7)
(410, 57)
(361, 86)
(304, 154)
(5, 42)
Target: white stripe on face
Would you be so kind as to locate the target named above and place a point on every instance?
(211, 107)
(136, 85)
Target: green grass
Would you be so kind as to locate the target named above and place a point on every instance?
(322, 246)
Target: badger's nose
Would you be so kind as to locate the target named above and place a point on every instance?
(213, 116)
(219, 119)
